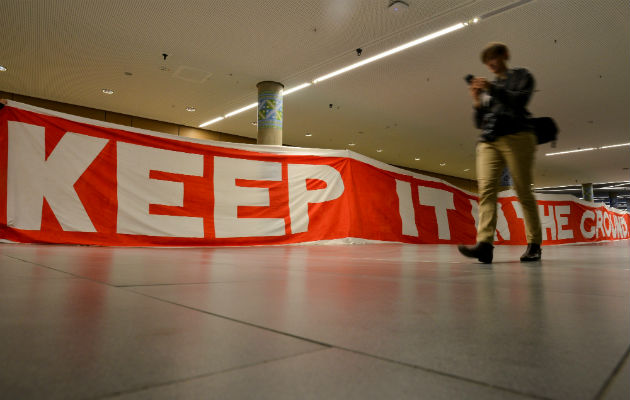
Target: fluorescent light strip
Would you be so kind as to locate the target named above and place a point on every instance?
(391, 51)
(615, 145)
(351, 67)
(558, 190)
(212, 121)
(295, 89)
(588, 149)
(570, 151)
(240, 110)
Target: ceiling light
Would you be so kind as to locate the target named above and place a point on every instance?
(108, 91)
(391, 51)
(2, 68)
(212, 121)
(468, 169)
(442, 164)
(559, 190)
(240, 110)
(608, 183)
(475, 20)
(395, 50)
(254, 123)
(352, 144)
(417, 158)
(570, 151)
(309, 134)
(295, 89)
(615, 145)
(398, 7)
(191, 109)
(379, 150)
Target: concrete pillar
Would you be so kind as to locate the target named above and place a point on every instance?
(269, 112)
(612, 199)
(587, 191)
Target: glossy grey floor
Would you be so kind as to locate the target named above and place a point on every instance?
(373, 321)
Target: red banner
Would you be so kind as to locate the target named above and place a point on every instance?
(66, 179)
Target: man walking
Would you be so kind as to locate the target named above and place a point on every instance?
(506, 139)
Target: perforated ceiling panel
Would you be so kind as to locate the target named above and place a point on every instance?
(411, 105)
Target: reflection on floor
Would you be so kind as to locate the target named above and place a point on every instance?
(373, 321)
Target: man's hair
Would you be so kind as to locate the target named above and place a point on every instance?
(494, 50)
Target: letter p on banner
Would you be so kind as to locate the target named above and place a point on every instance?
(300, 196)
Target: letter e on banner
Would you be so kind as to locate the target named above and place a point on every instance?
(228, 196)
(136, 191)
(562, 218)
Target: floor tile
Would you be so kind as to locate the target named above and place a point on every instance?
(72, 338)
(555, 329)
(328, 374)
(141, 266)
(559, 345)
(619, 388)
(13, 269)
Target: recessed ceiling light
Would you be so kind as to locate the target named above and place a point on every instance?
(191, 109)
(379, 150)
(397, 7)
(352, 144)
(254, 123)
(468, 169)
(442, 164)
(417, 158)
(2, 68)
(108, 91)
(309, 134)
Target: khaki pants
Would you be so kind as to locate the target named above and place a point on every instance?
(517, 152)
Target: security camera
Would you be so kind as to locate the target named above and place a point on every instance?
(359, 51)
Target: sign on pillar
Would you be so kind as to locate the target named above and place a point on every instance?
(269, 113)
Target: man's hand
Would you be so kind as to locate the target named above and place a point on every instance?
(476, 95)
(480, 83)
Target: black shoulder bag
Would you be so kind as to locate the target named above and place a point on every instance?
(545, 129)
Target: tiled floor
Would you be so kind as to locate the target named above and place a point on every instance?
(373, 321)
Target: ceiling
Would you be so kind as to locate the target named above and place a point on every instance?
(413, 104)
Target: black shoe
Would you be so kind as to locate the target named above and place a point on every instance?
(533, 253)
(481, 251)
